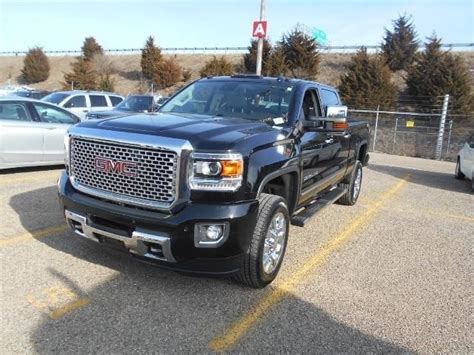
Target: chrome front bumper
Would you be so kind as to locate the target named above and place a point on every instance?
(153, 245)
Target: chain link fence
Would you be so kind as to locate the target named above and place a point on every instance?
(406, 131)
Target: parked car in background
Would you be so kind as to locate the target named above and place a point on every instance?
(131, 104)
(465, 162)
(32, 132)
(32, 94)
(82, 102)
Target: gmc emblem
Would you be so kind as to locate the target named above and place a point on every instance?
(125, 168)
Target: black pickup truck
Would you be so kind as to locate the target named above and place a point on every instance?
(211, 183)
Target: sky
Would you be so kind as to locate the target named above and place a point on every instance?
(63, 24)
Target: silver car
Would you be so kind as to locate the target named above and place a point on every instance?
(32, 132)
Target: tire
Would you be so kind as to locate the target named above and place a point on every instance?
(458, 173)
(352, 194)
(253, 273)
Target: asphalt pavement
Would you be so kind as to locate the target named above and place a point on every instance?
(390, 274)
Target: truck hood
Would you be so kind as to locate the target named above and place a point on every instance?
(202, 131)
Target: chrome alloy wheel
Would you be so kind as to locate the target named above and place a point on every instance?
(357, 184)
(274, 243)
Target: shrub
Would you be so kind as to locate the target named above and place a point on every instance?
(187, 73)
(35, 66)
(217, 67)
(151, 59)
(368, 82)
(106, 83)
(400, 45)
(168, 74)
(301, 53)
(276, 64)
(250, 58)
(436, 73)
(83, 75)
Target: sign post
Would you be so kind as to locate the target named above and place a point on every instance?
(260, 32)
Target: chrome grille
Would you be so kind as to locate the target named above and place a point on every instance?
(150, 179)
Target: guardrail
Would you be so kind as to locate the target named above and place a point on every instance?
(191, 50)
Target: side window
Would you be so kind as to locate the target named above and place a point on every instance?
(115, 100)
(310, 106)
(329, 97)
(98, 101)
(14, 111)
(51, 114)
(76, 101)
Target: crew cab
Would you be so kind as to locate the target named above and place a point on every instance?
(211, 182)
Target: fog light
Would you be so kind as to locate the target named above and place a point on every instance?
(210, 235)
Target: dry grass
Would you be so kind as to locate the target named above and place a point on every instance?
(127, 69)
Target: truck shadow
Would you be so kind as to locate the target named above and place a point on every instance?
(146, 309)
(431, 179)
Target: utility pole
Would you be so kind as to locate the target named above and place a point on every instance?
(263, 6)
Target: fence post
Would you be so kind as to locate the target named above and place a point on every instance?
(376, 126)
(442, 123)
(395, 135)
(449, 138)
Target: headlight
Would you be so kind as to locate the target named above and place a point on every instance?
(66, 150)
(216, 171)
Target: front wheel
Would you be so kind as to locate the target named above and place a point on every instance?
(458, 173)
(353, 187)
(264, 256)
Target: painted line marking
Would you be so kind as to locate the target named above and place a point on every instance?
(239, 328)
(41, 233)
(24, 179)
(57, 301)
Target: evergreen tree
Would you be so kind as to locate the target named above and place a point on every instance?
(167, 74)
(436, 73)
(217, 67)
(276, 64)
(151, 59)
(35, 66)
(83, 75)
(301, 53)
(90, 48)
(367, 83)
(400, 45)
(250, 58)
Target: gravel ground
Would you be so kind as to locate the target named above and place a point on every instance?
(391, 274)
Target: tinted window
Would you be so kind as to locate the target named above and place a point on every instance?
(76, 101)
(329, 98)
(14, 111)
(53, 115)
(136, 104)
(55, 97)
(233, 98)
(115, 100)
(98, 101)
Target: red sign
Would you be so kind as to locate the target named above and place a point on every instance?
(259, 29)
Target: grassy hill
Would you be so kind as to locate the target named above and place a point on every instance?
(127, 69)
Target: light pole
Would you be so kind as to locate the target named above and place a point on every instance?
(260, 40)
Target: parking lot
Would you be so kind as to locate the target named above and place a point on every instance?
(391, 274)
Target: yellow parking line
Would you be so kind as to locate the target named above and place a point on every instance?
(10, 180)
(34, 235)
(238, 329)
(70, 307)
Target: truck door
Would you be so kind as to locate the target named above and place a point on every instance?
(318, 150)
(341, 141)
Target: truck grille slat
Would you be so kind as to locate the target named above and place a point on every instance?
(149, 175)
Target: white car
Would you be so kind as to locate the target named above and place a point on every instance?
(81, 102)
(465, 162)
(32, 132)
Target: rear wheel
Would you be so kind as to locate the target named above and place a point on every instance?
(353, 187)
(264, 257)
(458, 173)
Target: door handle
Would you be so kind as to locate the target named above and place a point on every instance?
(51, 128)
(329, 140)
(85, 111)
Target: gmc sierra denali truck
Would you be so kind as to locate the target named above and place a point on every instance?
(211, 182)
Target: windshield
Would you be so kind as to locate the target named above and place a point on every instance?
(136, 104)
(55, 97)
(233, 98)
